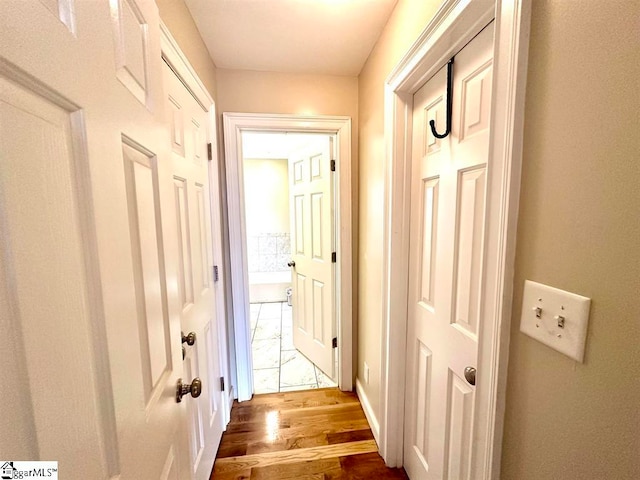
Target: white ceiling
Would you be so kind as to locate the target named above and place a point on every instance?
(331, 37)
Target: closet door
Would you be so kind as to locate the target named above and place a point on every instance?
(189, 127)
(446, 265)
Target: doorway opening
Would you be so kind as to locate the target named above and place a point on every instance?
(279, 363)
(312, 290)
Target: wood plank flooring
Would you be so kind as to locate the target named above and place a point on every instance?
(319, 434)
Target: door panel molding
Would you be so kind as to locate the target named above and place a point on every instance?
(234, 125)
(453, 26)
(141, 180)
(73, 129)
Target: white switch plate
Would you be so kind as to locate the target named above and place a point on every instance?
(555, 304)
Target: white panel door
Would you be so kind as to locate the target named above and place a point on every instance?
(89, 304)
(190, 185)
(446, 262)
(45, 309)
(312, 277)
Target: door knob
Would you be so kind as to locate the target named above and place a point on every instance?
(291, 263)
(195, 389)
(470, 375)
(189, 339)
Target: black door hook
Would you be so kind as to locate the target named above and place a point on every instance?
(432, 123)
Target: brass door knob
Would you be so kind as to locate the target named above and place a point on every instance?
(470, 375)
(189, 339)
(195, 389)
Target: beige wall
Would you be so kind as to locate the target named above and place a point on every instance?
(243, 91)
(272, 92)
(177, 18)
(406, 23)
(579, 230)
(266, 196)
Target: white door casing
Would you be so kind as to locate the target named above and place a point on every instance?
(189, 167)
(311, 213)
(453, 26)
(89, 281)
(445, 264)
(234, 125)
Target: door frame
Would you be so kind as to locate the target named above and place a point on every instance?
(340, 126)
(177, 61)
(453, 26)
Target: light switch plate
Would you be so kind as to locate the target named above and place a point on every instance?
(556, 318)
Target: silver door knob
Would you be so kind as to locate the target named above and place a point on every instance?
(195, 389)
(291, 263)
(189, 338)
(470, 375)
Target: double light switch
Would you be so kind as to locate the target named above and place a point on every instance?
(556, 318)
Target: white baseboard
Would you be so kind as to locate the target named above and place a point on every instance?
(368, 411)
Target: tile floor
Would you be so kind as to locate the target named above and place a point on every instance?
(277, 365)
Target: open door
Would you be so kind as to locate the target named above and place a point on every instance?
(90, 307)
(312, 251)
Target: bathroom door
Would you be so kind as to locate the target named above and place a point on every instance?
(312, 240)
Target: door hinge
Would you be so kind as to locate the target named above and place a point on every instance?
(333, 165)
(334, 342)
(333, 257)
(216, 274)
(209, 151)
(222, 384)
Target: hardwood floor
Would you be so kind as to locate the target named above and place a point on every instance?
(319, 434)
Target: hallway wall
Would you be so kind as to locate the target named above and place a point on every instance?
(578, 230)
(407, 21)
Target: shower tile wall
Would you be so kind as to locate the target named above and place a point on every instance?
(268, 252)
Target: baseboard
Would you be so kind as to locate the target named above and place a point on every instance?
(230, 398)
(368, 411)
